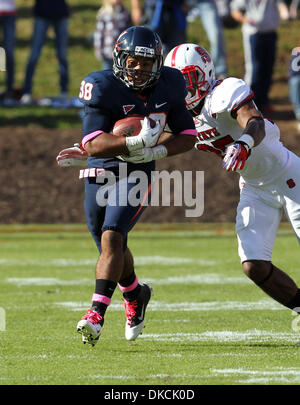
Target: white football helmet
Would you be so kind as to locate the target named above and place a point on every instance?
(197, 68)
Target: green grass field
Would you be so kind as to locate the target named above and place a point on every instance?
(206, 323)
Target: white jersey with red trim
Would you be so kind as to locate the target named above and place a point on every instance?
(217, 129)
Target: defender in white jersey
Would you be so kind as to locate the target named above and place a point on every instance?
(229, 124)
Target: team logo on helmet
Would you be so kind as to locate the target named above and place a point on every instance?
(204, 55)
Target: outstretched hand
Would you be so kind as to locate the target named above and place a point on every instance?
(75, 156)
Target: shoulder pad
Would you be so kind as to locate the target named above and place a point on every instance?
(92, 89)
(174, 79)
(171, 71)
(228, 94)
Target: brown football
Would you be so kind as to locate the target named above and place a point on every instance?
(130, 126)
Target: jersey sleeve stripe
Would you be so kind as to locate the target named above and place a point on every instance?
(189, 132)
(90, 136)
(250, 97)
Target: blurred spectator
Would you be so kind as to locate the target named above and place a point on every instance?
(112, 19)
(166, 17)
(212, 24)
(289, 9)
(8, 13)
(294, 83)
(293, 9)
(48, 13)
(260, 21)
(224, 12)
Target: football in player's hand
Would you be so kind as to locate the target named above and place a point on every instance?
(130, 126)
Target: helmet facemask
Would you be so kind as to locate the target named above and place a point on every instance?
(196, 85)
(138, 41)
(132, 76)
(197, 68)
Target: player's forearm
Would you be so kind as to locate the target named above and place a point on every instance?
(106, 145)
(179, 144)
(252, 122)
(165, 137)
(256, 129)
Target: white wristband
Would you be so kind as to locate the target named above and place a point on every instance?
(134, 143)
(248, 139)
(159, 152)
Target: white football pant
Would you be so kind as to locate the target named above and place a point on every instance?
(260, 210)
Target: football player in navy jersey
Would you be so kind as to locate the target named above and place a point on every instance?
(139, 84)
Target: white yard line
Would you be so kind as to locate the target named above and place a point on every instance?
(171, 261)
(40, 281)
(208, 278)
(139, 261)
(103, 376)
(281, 375)
(265, 304)
(165, 307)
(273, 372)
(284, 377)
(49, 263)
(225, 336)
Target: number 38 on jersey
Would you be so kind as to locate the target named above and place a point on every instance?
(86, 89)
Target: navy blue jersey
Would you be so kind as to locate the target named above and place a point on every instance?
(106, 100)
